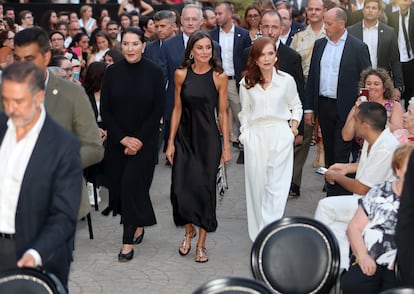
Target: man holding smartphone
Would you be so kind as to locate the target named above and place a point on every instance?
(335, 212)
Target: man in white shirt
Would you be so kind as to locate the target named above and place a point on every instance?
(233, 40)
(332, 86)
(40, 178)
(303, 44)
(403, 23)
(373, 168)
(381, 41)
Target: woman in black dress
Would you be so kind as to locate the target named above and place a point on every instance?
(194, 146)
(93, 84)
(132, 102)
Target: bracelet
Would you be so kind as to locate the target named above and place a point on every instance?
(294, 131)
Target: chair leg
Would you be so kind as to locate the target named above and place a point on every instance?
(89, 219)
(95, 196)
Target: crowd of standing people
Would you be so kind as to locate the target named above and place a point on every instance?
(197, 83)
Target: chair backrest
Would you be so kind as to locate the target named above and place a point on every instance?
(296, 255)
(233, 285)
(401, 290)
(30, 281)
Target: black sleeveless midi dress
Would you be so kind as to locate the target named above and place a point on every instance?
(197, 154)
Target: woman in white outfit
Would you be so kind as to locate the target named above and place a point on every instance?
(270, 114)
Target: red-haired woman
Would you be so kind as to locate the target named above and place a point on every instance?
(270, 114)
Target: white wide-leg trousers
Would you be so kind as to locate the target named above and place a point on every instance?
(336, 212)
(268, 163)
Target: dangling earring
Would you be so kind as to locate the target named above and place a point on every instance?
(191, 56)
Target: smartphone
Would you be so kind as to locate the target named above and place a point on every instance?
(76, 75)
(364, 92)
(321, 170)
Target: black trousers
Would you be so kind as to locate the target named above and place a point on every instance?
(8, 258)
(354, 281)
(336, 149)
(408, 76)
(128, 235)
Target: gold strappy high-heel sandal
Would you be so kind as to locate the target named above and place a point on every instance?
(185, 246)
(201, 254)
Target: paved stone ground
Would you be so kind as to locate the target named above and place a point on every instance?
(157, 267)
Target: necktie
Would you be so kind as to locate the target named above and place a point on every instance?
(407, 41)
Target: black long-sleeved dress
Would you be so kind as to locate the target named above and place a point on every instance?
(132, 102)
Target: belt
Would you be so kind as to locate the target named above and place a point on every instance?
(328, 98)
(7, 236)
(231, 77)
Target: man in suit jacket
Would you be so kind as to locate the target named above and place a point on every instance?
(332, 86)
(289, 27)
(40, 178)
(391, 7)
(303, 44)
(383, 47)
(405, 36)
(165, 25)
(66, 102)
(233, 40)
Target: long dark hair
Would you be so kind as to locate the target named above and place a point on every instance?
(45, 21)
(116, 54)
(101, 34)
(4, 35)
(134, 30)
(94, 76)
(252, 74)
(77, 38)
(136, 3)
(214, 61)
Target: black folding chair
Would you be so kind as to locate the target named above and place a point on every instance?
(30, 281)
(401, 290)
(233, 285)
(296, 255)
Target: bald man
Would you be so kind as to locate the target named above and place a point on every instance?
(332, 86)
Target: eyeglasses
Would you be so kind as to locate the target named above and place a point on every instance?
(253, 16)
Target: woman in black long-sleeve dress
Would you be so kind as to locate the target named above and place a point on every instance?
(132, 102)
